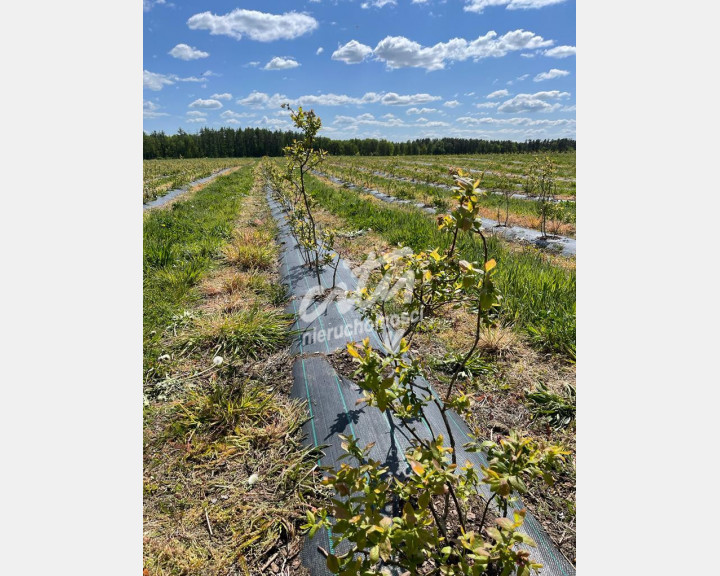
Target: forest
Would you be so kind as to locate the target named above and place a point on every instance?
(258, 142)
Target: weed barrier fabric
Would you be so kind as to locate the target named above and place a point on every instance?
(333, 400)
(563, 245)
(165, 198)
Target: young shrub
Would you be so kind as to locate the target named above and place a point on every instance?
(419, 522)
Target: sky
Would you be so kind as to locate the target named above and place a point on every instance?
(393, 69)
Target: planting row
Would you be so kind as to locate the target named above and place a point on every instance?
(503, 205)
(161, 176)
(442, 267)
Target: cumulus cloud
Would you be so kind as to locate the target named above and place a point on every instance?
(352, 53)
(487, 105)
(420, 110)
(206, 104)
(560, 51)
(195, 113)
(279, 63)
(319, 51)
(154, 81)
(377, 3)
(473, 121)
(393, 99)
(149, 4)
(478, 6)
(223, 96)
(229, 114)
(550, 74)
(262, 100)
(538, 102)
(353, 122)
(452, 104)
(256, 25)
(194, 120)
(400, 52)
(498, 94)
(150, 110)
(185, 52)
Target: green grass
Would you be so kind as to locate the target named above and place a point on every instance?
(538, 297)
(441, 197)
(180, 245)
(247, 333)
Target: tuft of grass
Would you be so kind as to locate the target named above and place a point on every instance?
(559, 411)
(237, 409)
(247, 334)
(251, 249)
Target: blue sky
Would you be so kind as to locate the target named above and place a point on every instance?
(395, 69)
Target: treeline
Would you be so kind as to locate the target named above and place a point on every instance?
(257, 142)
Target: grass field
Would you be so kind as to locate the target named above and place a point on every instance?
(227, 479)
(161, 176)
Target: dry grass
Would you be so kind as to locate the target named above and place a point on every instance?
(251, 249)
(208, 429)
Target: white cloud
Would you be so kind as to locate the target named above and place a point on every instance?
(537, 102)
(150, 110)
(487, 105)
(479, 5)
(185, 52)
(377, 3)
(560, 51)
(498, 94)
(420, 110)
(400, 52)
(206, 104)
(319, 51)
(352, 53)
(255, 25)
(155, 82)
(149, 4)
(272, 123)
(550, 74)
(223, 96)
(234, 115)
(193, 120)
(393, 99)
(452, 104)
(419, 2)
(263, 100)
(353, 122)
(279, 63)
(528, 54)
(472, 121)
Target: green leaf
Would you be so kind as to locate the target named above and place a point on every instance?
(333, 563)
